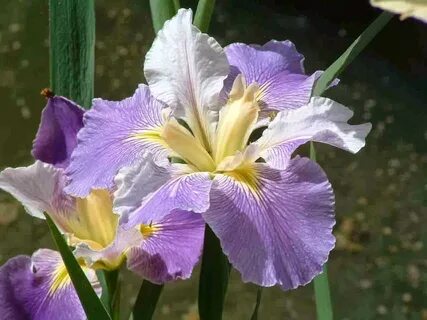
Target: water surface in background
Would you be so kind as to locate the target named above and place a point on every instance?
(378, 270)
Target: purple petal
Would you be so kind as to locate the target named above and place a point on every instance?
(30, 293)
(280, 232)
(57, 135)
(115, 134)
(173, 249)
(277, 67)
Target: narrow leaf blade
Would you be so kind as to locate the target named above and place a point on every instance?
(92, 305)
(146, 302)
(213, 278)
(351, 53)
(161, 11)
(203, 14)
(257, 304)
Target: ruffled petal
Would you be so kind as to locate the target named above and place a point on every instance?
(115, 134)
(274, 226)
(186, 68)
(40, 288)
(39, 187)
(278, 68)
(321, 120)
(175, 190)
(57, 134)
(171, 247)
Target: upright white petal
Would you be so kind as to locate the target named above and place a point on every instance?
(37, 187)
(321, 120)
(185, 69)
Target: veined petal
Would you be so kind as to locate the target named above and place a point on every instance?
(170, 249)
(115, 134)
(40, 288)
(39, 187)
(274, 226)
(321, 120)
(57, 134)
(172, 188)
(186, 68)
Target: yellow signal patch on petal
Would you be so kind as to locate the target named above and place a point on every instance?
(148, 230)
(246, 176)
(61, 278)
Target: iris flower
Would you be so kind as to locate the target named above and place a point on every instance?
(188, 142)
(34, 288)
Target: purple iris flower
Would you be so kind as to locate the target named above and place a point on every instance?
(39, 288)
(159, 250)
(182, 143)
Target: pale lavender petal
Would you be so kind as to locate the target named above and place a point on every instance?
(277, 67)
(188, 192)
(115, 134)
(29, 286)
(57, 134)
(278, 228)
(39, 187)
(173, 249)
(321, 120)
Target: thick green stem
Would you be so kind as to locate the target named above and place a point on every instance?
(161, 11)
(213, 278)
(146, 302)
(72, 44)
(203, 15)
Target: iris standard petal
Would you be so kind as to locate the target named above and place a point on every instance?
(39, 187)
(115, 134)
(171, 247)
(41, 288)
(277, 67)
(321, 120)
(274, 226)
(57, 134)
(186, 68)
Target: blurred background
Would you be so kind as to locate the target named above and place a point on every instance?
(378, 269)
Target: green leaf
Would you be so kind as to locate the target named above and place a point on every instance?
(257, 304)
(161, 11)
(213, 278)
(203, 14)
(72, 49)
(146, 301)
(351, 53)
(92, 306)
(323, 296)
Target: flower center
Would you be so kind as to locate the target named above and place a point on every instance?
(236, 121)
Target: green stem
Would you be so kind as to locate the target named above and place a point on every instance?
(146, 302)
(72, 49)
(203, 15)
(113, 287)
(257, 304)
(214, 275)
(161, 11)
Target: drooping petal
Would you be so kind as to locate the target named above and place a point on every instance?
(115, 134)
(274, 226)
(40, 288)
(321, 120)
(406, 8)
(278, 68)
(186, 68)
(39, 187)
(57, 134)
(170, 249)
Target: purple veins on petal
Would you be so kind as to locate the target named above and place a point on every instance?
(171, 247)
(56, 137)
(39, 288)
(274, 226)
(115, 134)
